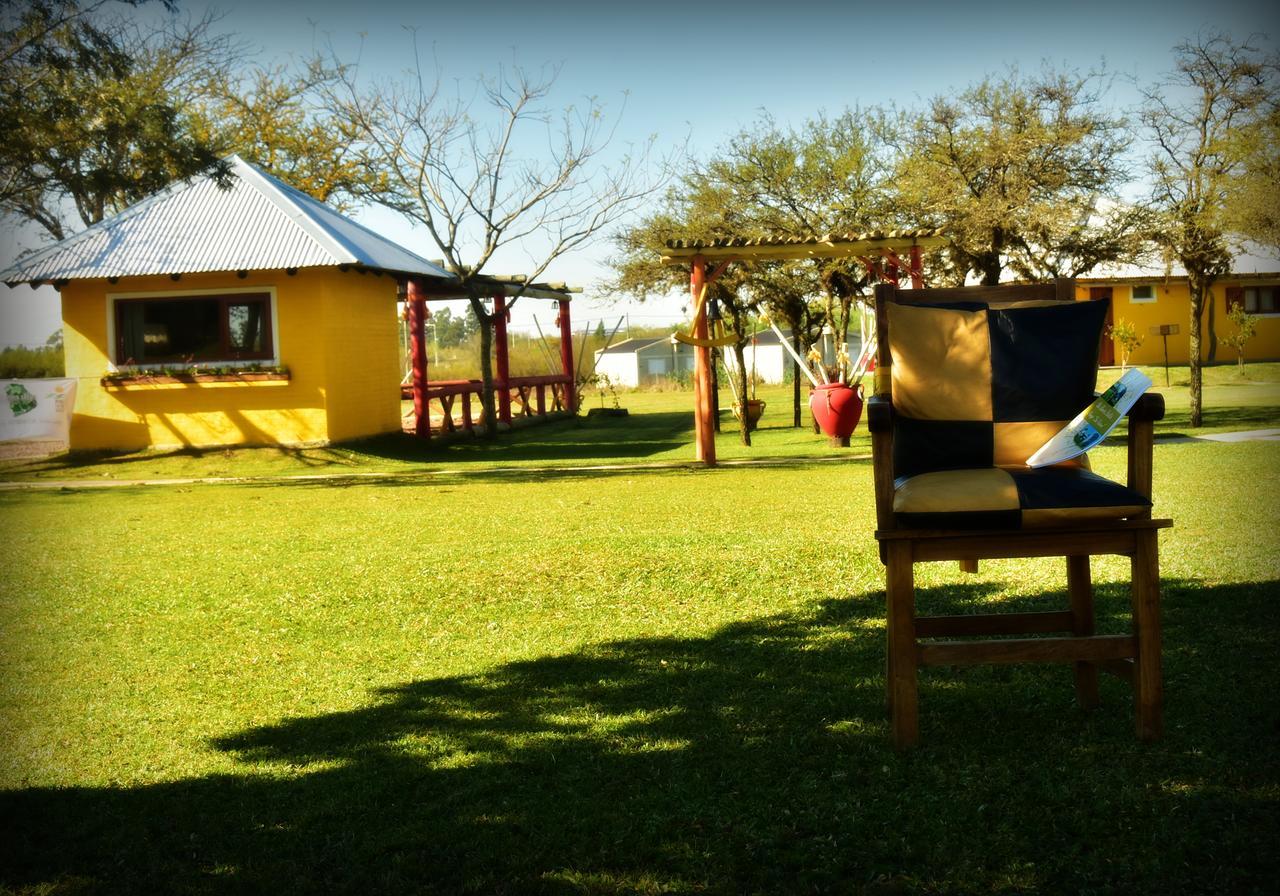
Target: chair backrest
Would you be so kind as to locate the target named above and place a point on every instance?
(983, 376)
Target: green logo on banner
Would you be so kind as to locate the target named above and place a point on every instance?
(20, 400)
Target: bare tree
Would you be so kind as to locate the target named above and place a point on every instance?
(491, 168)
(1219, 88)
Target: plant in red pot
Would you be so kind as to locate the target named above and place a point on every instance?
(836, 403)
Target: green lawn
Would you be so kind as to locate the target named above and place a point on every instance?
(660, 430)
(503, 679)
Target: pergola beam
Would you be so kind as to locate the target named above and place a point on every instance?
(888, 246)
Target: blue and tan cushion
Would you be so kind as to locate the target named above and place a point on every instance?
(976, 390)
(999, 498)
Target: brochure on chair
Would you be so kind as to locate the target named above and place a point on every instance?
(1094, 423)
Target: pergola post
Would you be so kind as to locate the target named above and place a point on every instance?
(501, 358)
(417, 303)
(743, 250)
(566, 358)
(703, 420)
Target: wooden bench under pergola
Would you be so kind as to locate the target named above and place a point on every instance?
(536, 395)
(887, 255)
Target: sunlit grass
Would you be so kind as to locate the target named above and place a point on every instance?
(640, 680)
(659, 430)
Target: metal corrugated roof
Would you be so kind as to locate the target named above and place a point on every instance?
(197, 226)
(632, 345)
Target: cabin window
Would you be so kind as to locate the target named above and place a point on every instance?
(1261, 299)
(190, 329)
(1142, 294)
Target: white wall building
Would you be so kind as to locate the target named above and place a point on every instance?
(771, 361)
(634, 362)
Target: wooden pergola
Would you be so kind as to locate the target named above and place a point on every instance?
(537, 395)
(887, 256)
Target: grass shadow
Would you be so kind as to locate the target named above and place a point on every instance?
(755, 759)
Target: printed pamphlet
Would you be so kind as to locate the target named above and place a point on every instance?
(1094, 423)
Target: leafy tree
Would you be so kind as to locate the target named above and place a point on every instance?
(25, 362)
(1013, 168)
(825, 177)
(93, 112)
(1219, 88)
(1126, 333)
(484, 170)
(275, 117)
(1246, 329)
(1252, 208)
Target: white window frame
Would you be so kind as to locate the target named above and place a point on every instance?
(113, 297)
(1133, 294)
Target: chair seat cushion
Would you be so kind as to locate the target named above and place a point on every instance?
(996, 498)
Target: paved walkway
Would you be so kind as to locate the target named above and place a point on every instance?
(1250, 435)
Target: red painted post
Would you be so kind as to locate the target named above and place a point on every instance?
(917, 268)
(501, 359)
(466, 412)
(566, 358)
(418, 350)
(703, 424)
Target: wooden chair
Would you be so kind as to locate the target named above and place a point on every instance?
(925, 370)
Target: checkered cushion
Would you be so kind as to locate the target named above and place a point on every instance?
(976, 390)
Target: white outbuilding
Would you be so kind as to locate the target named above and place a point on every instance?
(635, 362)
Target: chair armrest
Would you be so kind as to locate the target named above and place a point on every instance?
(880, 425)
(1149, 406)
(879, 414)
(1142, 416)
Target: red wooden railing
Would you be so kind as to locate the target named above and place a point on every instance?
(527, 396)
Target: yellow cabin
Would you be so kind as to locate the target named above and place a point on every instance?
(245, 315)
(1152, 300)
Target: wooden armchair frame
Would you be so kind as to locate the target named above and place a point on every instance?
(1134, 657)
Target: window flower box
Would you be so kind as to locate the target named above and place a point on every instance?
(126, 378)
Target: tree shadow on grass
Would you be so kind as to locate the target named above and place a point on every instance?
(755, 759)
(638, 435)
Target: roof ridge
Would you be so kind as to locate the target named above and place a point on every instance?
(295, 197)
(275, 192)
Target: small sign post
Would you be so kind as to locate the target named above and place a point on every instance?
(1164, 331)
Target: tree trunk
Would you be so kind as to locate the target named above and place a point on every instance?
(744, 426)
(487, 402)
(1197, 287)
(797, 415)
(715, 391)
(989, 261)
(1213, 330)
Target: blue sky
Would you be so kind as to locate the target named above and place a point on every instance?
(703, 70)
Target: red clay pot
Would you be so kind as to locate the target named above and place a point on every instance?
(837, 408)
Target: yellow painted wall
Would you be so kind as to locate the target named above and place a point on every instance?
(327, 324)
(1173, 306)
(362, 364)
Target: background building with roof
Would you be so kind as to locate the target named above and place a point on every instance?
(635, 362)
(765, 355)
(1155, 296)
(212, 315)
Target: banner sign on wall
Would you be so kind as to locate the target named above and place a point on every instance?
(37, 410)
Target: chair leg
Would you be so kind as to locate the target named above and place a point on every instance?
(1080, 589)
(1148, 690)
(902, 685)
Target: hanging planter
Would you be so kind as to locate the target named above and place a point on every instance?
(755, 408)
(837, 408)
